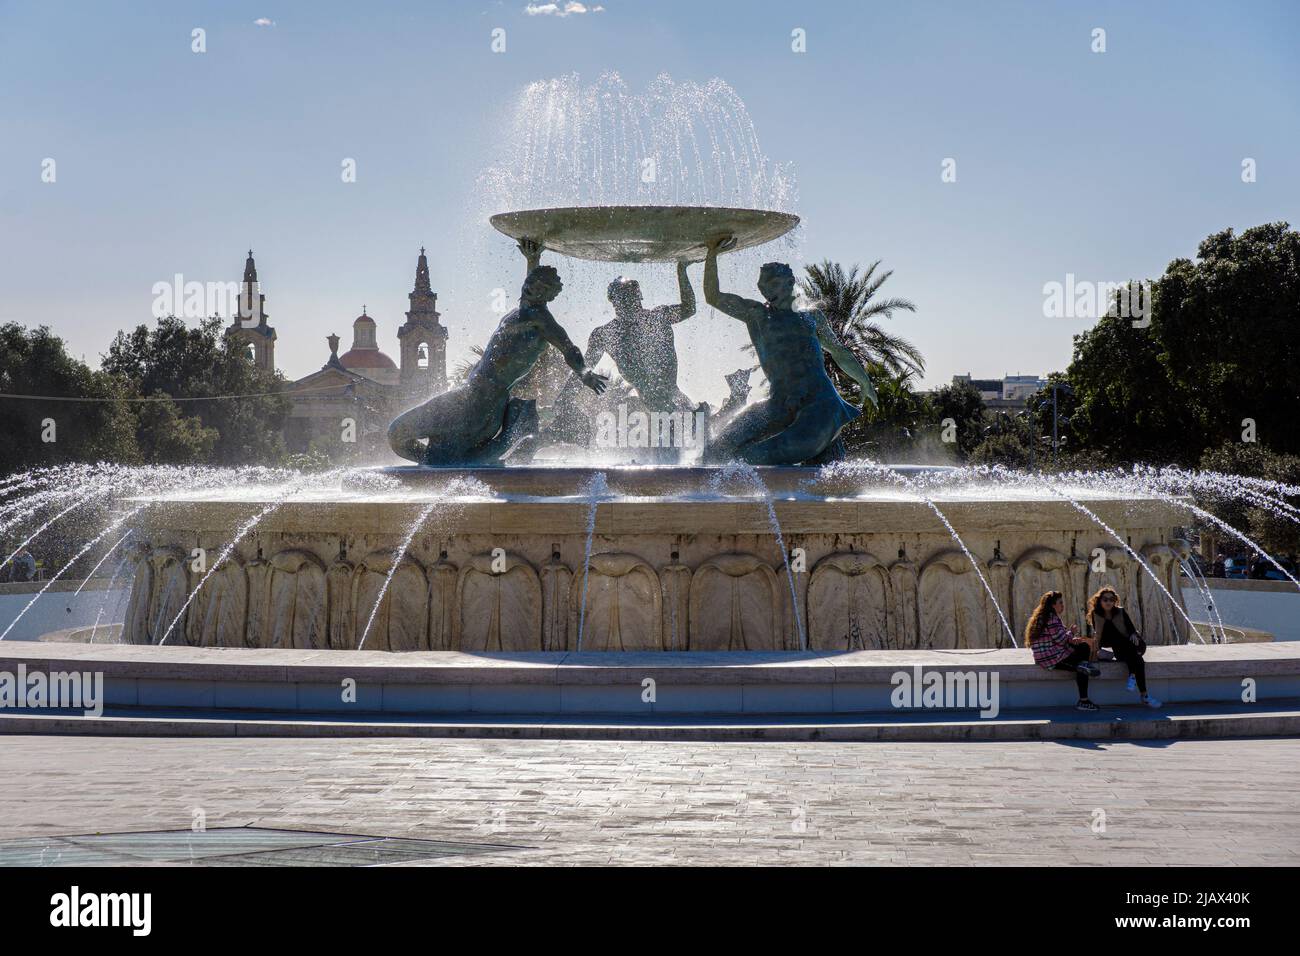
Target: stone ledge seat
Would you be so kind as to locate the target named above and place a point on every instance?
(548, 684)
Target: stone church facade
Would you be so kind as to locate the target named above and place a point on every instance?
(343, 410)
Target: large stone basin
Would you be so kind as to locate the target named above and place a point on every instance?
(643, 233)
(676, 563)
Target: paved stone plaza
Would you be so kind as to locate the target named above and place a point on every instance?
(1182, 802)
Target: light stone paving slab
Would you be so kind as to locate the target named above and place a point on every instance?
(1216, 802)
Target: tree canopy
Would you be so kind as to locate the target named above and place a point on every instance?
(1218, 362)
(38, 432)
(181, 361)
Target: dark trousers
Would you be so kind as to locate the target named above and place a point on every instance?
(1077, 656)
(1128, 652)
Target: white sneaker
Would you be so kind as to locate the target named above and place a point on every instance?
(1150, 701)
(1132, 684)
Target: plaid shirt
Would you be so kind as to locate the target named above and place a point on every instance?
(1053, 645)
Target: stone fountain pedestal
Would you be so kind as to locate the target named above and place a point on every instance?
(672, 566)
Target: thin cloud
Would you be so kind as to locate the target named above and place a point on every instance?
(570, 8)
(263, 22)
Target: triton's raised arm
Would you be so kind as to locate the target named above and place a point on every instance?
(735, 306)
(845, 359)
(686, 299)
(554, 333)
(532, 250)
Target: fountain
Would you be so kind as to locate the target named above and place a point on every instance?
(798, 560)
(767, 543)
(672, 556)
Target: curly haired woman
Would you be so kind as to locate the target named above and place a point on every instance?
(1114, 629)
(1057, 647)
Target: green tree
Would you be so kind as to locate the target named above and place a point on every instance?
(166, 437)
(1276, 533)
(1009, 448)
(36, 362)
(184, 361)
(1128, 405)
(849, 301)
(892, 431)
(1226, 327)
(963, 404)
(1216, 357)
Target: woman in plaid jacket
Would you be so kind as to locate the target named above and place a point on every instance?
(1057, 647)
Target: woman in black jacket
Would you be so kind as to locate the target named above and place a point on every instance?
(1114, 629)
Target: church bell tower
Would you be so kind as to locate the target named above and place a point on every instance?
(249, 326)
(423, 338)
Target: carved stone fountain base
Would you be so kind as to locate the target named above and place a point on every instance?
(667, 571)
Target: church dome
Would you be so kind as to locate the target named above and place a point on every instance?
(361, 359)
(364, 357)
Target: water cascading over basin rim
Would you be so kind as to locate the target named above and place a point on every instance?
(565, 559)
(642, 233)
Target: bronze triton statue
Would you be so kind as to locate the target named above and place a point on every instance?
(804, 414)
(479, 423)
(640, 341)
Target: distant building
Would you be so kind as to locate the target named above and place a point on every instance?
(258, 336)
(1018, 388)
(343, 409)
(1010, 393)
(423, 338)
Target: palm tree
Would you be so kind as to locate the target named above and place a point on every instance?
(849, 303)
(461, 372)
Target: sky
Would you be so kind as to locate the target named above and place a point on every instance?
(1101, 165)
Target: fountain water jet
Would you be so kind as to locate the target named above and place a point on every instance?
(1133, 554)
(243, 530)
(397, 559)
(679, 547)
(894, 475)
(93, 541)
(750, 474)
(595, 488)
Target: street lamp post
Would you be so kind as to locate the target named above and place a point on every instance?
(1033, 435)
(1058, 387)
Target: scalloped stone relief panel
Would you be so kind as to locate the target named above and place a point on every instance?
(218, 615)
(442, 605)
(160, 590)
(675, 598)
(338, 587)
(1036, 571)
(258, 631)
(557, 582)
(401, 620)
(498, 610)
(1000, 577)
(623, 605)
(736, 605)
(298, 609)
(135, 626)
(904, 621)
(1182, 551)
(849, 597)
(953, 612)
(1160, 621)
